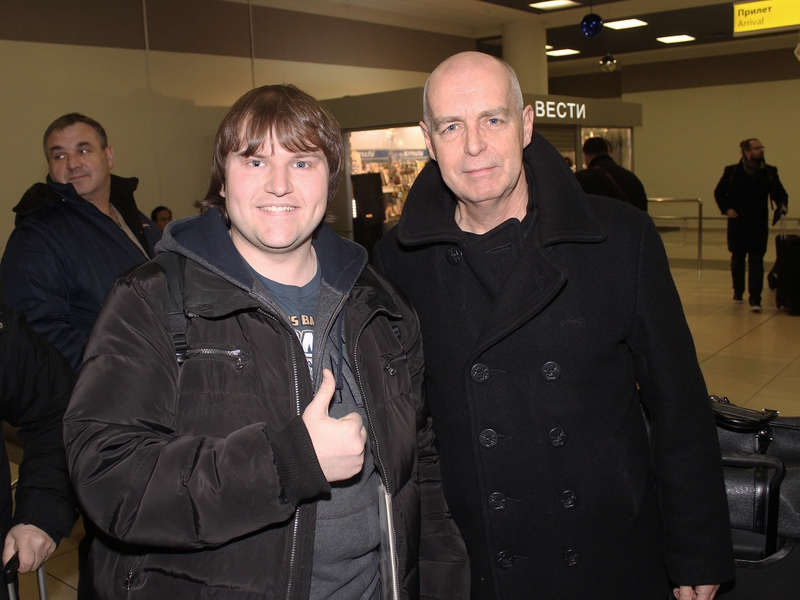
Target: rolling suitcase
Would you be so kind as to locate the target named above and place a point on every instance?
(785, 275)
(10, 578)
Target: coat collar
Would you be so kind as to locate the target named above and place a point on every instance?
(563, 212)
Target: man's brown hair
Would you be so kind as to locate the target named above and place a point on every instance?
(70, 119)
(288, 116)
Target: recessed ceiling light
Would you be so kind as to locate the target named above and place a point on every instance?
(554, 4)
(625, 24)
(675, 39)
(562, 52)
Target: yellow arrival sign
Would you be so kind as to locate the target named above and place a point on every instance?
(765, 15)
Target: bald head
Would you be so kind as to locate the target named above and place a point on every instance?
(471, 62)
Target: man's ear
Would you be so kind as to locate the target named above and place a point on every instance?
(110, 157)
(427, 136)
(527, 125)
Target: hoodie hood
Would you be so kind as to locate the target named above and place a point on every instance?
(205, 239)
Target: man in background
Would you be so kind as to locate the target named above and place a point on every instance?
(741, 195)
(542, 310)
(74, 235)
(161, 215)
(604, 177)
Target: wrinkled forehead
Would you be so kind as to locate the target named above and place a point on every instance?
(73, 135)
(468, 76)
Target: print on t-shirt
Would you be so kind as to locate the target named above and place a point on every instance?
(304, 328)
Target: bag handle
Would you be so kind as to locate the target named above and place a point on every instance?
(742, 420)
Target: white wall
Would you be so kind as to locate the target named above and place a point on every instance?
(689, 135)
(160, 110)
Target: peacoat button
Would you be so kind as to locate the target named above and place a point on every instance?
(488, 438)
(479, 373)
(569, 499)
(497, 501)
(572, 557)
(453, 255)
(551, 371)
(504, 559)
(557, 436)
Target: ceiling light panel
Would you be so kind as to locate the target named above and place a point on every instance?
(554, 4)
(625, 24)
(675, 39)
(562, 52)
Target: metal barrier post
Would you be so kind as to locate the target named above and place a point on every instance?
(699, 224)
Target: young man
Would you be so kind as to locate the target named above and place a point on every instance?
(542, 309)
(251, 470)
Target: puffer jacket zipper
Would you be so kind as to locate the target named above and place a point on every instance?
(296, 376)
(376, 446)
(133, 571)
(235, 354)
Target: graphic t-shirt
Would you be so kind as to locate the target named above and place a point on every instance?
(298, 302)
(345, 564)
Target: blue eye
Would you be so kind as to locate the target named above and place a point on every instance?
(302, 164)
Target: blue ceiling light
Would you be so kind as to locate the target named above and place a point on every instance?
(592, 25)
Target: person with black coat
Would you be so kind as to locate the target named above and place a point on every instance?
(544, 312)
(35, 386)
(742, 195)
(604, 177)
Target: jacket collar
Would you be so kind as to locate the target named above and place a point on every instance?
(563, 212)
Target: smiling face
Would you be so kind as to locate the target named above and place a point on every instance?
(75, 155)
(275, 199)
(477, 132)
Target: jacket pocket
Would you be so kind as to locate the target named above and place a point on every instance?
(392, 362)
(132, 568)
(236, 356)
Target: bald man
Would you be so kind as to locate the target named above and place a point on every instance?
(543, 311)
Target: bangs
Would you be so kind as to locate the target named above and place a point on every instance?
(292, 136)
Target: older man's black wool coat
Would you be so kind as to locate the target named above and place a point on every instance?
(536, 335)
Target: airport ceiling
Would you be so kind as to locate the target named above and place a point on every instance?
(710, 22)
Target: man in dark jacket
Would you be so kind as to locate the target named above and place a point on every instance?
(542, 308)
(741, 195)
(604, 177)
(75, 235)
(246, 469)
(35, 384)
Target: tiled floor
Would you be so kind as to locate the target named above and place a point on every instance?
(753, 359)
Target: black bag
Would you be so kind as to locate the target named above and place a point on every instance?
(784, 277)
(761, 462)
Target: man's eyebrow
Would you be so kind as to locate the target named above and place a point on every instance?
(492, 112)
(78, 145)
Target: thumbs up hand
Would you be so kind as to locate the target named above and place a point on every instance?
(339, 443)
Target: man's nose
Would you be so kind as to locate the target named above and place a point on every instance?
(279, 181)
(473, 140)
(73, 161)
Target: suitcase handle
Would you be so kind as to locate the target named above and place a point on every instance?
(749, 461)
(10, 577)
